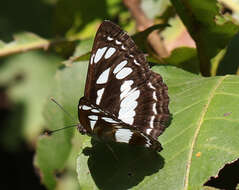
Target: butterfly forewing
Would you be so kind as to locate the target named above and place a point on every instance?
(120, 83)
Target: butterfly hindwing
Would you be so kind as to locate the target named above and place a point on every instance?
(152, 110)
(107, 128)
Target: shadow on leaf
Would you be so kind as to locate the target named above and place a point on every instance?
(120, 166)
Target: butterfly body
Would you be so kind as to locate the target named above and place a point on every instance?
(124, 100)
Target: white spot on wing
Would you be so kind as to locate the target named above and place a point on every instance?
(126, 84)
(128, 105)
(130, 98)
(93, 117)
(123, 135)
(128, 108)
(109, 120)
(123, 47)
(151, 124)
(125, 88)
(99, 95)
(110, 52)
(91, 59)
(103, 77)
(154, 108)
(124, 73)
(148, 131)
(92, 124)
(99, 54)
(120, 66)
(84, 107)
(151, 86)
(95, 111)
(148, 143)
(118, 42)
(154, 95)
(128, 120)
(109, 38)
(136, 63)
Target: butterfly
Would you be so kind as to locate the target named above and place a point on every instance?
(124, 101)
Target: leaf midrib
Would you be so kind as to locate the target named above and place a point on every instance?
(200, 121)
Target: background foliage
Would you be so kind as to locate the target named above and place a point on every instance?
(44, 52)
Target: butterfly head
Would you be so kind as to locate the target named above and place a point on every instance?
(81, 129)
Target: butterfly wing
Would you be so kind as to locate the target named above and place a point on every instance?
(104, 126)
(120, 82)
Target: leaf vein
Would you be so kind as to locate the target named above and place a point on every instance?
(226, 93)
(186, 83)
(179, 134)
(200, 121)
(222, 118)
(188, 107)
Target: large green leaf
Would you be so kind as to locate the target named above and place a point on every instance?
(210, 30)
(195, 144)
(202, 138)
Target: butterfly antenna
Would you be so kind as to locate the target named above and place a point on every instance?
(49, 132)
(61, 107)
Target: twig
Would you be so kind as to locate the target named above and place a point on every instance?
(41, 44)
(142, 22)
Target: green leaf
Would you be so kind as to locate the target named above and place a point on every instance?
(203, 112)
(185, 58)
(23, 42)
(195, 145)
(210, 30)
(28, 78)
(86, 181)
(84, 47)
(228, 65)
(54, 151)
(82, 52)
(154, 8)
(202, 137)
